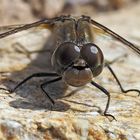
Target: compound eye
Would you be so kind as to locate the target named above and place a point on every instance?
(64, 55)
(93, 55)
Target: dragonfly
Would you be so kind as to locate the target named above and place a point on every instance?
(76, 59)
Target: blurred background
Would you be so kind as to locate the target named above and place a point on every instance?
(24, 11)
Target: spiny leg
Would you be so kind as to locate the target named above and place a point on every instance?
(108, 101)
(45, 84)
(31, 76)
(120, 85)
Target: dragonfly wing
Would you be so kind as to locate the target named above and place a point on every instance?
(32, 40)
(100, 29)
(9, 27)
(112, 48)
(29, 38)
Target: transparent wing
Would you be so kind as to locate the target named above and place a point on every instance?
(28, 35)
(9, 27)
(101, 30)
(28, 38)
(31, 37)
(13, 48)
(45, 23)
(112, 47)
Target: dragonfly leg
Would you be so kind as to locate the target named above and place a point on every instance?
(108, 101)
(31, 76)
(120, 85)
(45, 84)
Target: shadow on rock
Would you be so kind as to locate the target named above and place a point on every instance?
(31, 91)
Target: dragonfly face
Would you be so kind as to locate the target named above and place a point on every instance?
(76, 59)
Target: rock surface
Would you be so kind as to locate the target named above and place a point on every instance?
(27, 114)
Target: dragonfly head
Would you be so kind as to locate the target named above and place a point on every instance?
(78, 65)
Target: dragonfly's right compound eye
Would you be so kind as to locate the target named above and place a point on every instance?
(64, 56)
(93, 55)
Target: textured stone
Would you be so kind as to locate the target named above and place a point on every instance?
(27, 114)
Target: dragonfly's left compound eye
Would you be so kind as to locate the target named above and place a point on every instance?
(64, 56)
(93, 55)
